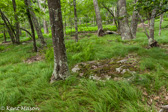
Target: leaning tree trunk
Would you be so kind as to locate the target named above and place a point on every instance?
(151, 41)
(31, 25)
(11, 34)
(36, 24)
(119, 28)
(4, 33)
(16, 23)
(98, 18)
(76, 21)
(142, 21)
(125, 30)
(134, 22)
(160, 26)
(112, 14)
(61, 71)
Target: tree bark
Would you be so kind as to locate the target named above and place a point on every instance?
(36, 24)
(65, 28)
(31, 25)
(76, 21)
(112, 14)
(60, 71)
(45, 25)
(16, 23)
(119, 28)
(11, 34)
(142, 21)
(98, 18)
(134, 22)
(125, 30)
(114, 19)
(160, 26)
(151, 40)
(4, 33)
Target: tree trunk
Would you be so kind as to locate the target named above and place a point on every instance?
(119, 28)
(125, 30)
(45, 25)
(4, 33)
(134, 22)
(76, 21)
(112, 14)
(65, 28)
(36, 24)
(114, 19)
(61, 71)
(160, 26)
(31, 24)
(142, 21)
(151, 41)
(148, 22)
(98, 18)
(16, 23)
(11, 34)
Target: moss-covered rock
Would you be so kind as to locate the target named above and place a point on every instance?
(108, 68)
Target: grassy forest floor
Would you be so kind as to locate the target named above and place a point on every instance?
(24, 75)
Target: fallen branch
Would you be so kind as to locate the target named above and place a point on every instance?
(111, 32)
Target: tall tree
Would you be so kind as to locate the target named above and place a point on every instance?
(112, 13)
(125, 30)
(36, 24)
(98, 18)
(161, 20)
(76, 21)
(134, 22)
(118, 10)
(150, 35)
(151, 28)
(31, 24)
(60, 60)
(160, 25)
(16, 23)
(4, 33)
(8, 26)
(45, 24)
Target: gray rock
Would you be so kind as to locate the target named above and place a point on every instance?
(122, 61)
(76, 69)
(107, 77)
(95, 77)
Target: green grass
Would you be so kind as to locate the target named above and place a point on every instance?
(90, 29)
(23, 84)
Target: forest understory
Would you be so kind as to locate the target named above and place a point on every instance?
(107, 74)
